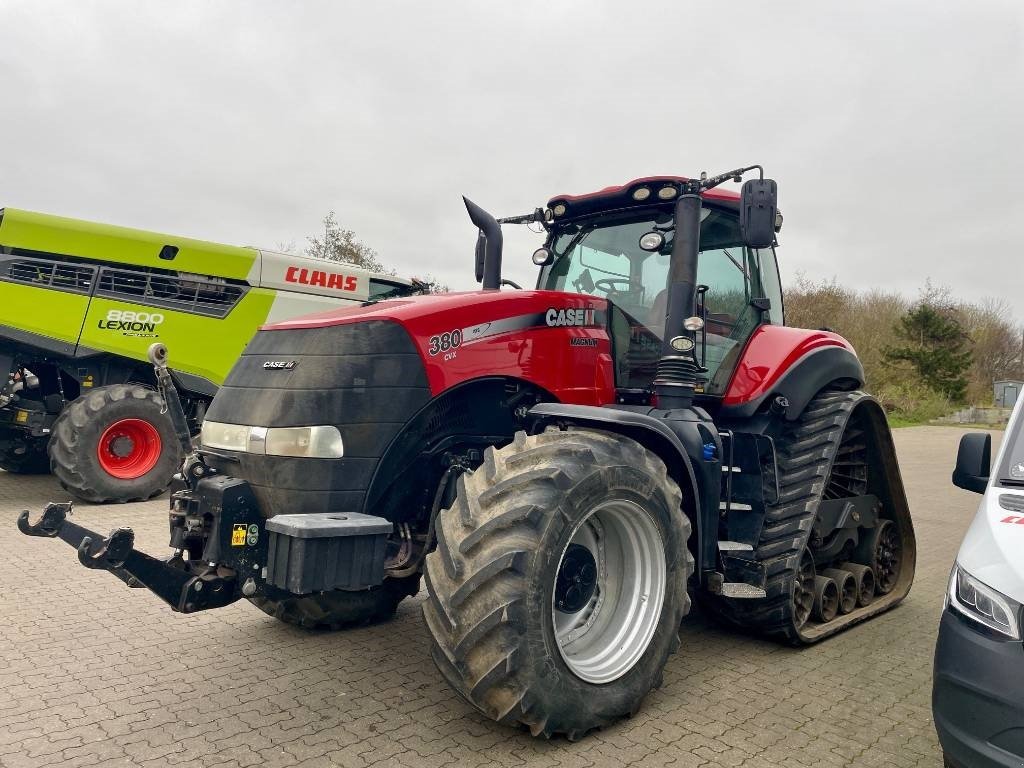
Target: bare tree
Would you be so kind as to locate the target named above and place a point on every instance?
(340, 244)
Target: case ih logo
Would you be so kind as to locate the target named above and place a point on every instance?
(278, 365)
(305, 276)
(1013, 519)
(557, 317)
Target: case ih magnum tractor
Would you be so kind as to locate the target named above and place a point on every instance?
(566, 465)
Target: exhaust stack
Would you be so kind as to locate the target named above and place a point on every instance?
(488, 246)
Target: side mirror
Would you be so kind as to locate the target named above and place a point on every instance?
(759, 200)
(973, 462)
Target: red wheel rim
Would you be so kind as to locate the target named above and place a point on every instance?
(129, 448)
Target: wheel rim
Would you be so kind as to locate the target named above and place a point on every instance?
(609, 591)
(803, 589)
(888, 556)
(129, 448)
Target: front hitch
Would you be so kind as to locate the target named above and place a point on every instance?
(187, 586)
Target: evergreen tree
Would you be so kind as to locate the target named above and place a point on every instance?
(934, 344)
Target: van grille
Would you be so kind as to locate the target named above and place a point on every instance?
(1011, 502)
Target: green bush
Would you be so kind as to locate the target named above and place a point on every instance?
(912, 402)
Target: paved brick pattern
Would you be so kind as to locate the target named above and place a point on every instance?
(92, 673)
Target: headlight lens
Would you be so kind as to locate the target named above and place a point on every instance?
(317, 442)
(979, 602)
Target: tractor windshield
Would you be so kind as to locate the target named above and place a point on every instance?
(602, 257)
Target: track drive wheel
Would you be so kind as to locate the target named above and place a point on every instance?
(559, 581)
(114, 444)
(23, 455)
(340, 609)
(882, 552)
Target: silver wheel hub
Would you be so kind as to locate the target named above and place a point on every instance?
(609, 591)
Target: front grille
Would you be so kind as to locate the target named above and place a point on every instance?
(1011, 502)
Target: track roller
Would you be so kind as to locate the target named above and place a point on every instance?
(847, 584)
(826, 599)
(865, 579)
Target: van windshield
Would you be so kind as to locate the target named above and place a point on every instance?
(1011, 471)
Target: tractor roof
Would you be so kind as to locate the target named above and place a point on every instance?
(622, 196)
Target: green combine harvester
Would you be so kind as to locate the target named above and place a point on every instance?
(80, 303)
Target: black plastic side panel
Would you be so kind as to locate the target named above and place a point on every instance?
(678, 437)
(366, 378)
(835, 366)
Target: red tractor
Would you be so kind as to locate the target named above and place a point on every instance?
(566, 465)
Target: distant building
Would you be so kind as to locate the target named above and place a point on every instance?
(1007, 392)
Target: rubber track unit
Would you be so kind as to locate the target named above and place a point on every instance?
(805, 450)
(486, 621)
(339, 609)
(78, 422)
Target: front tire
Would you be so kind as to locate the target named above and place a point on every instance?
(115, 444)
(559, 581)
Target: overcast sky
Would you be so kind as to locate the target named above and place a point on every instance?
(893, 128)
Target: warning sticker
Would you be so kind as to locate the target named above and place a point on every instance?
(238, 535)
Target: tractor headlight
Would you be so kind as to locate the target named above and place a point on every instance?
(317, 442)
(979, 602)
(229, 437)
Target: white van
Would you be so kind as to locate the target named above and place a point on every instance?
(978, 687)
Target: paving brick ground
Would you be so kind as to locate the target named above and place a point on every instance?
(92, 673)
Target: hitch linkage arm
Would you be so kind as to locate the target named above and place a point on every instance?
(185, 586)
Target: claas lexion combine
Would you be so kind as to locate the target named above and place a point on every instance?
(567, 466)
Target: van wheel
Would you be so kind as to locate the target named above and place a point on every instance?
(115, 444)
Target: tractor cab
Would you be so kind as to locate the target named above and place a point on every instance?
(617, 245)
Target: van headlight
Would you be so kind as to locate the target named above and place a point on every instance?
(317, 442)
(979, 602)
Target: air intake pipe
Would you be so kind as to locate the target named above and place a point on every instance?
(678, 370)
(488, 246)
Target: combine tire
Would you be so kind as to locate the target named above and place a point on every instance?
(340, 609)
(559, 581)
(22, 455)
(839, 447)
(114, 444)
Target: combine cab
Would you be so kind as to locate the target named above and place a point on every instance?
(568, 466)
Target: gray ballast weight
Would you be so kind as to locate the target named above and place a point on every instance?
(325, 551)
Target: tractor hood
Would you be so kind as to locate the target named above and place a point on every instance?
(461, 336)
(367, 371)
